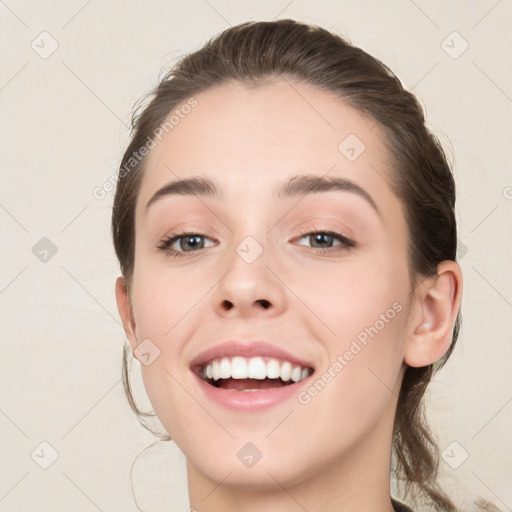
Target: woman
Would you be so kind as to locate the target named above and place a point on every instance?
(285, 227)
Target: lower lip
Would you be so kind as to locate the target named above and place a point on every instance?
(250, 400)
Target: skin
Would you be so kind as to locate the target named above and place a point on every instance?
(334, 452)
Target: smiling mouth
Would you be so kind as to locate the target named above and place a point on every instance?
(248, 384)
(252, 374)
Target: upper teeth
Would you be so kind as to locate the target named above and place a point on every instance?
(254, 368)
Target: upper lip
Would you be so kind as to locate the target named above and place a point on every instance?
(234, 348)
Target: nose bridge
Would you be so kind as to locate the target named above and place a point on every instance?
(250, 237)
(248, 262)
(249, 286)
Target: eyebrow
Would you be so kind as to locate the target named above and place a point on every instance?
(300, 184)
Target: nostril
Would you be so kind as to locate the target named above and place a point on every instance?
(265, 303)
(227, 305)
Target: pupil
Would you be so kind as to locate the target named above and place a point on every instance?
(195, 241)
(321, 237)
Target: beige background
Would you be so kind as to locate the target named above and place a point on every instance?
(63, 129)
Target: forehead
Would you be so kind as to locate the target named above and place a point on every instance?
(250, 138)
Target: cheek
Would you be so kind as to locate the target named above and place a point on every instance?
(162, 300)
(357, 387)
(162, 315)
(363, 309)
(352, 295)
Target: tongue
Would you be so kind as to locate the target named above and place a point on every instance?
(240, 384)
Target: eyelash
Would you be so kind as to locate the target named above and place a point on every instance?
(345, 243)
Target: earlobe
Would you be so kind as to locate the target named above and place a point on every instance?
(432, 329)
(125, 311)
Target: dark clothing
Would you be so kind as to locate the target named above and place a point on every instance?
(400, 507)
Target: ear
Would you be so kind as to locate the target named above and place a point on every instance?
(439, 302)
(125, 311)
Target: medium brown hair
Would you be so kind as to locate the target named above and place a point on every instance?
(254, 53)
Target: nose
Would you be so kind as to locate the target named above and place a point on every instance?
(249, 288)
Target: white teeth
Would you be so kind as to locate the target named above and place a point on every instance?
(239, 368)
(257, 368)
(286, 371)
(215, 370)
(295, 376)
(274, 369)
(224, 368)
(254, 368)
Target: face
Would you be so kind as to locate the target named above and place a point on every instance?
(319, 273)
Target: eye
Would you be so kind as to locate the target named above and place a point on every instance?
(183, 242)
(324, 240)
